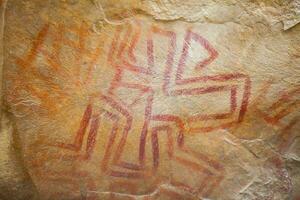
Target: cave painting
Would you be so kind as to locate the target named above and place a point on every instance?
(162, 77)
(282, 114)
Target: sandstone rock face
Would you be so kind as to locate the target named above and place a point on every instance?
(150, 99)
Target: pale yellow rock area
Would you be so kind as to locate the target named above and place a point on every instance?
(150, 100)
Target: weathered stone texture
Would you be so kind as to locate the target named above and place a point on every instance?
(150, 99)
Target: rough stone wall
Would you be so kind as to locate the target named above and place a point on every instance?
(150, 99)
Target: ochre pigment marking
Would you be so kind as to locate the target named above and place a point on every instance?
(122, 58)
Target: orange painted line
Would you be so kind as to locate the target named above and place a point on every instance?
(94, 58)
(211, 162)
(37, 43)
(285, 98)
(292, 107)
(124, 43)
(79, 47)
(52, 60)
(78, 140)
(46, 101)
(211, 128)
(114, 44)
(134, 42)
(274, 120)
(284, 106)
(192, 165)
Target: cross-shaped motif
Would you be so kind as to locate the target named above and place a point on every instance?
(163, 80)
(123, 59)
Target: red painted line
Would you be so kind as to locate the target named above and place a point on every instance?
(217, 78)
(135, 68)
(126, 129)
(170, 57)
(209, 117)
(155, 150)
(233, 99)
(136, 86)
(136, 100)
(91, 140)
(245, 100)
(111, 116)
(116, 81)
(83, 125)
(223, 78)
(123, 48)
(198, 91)
(130, 166)
(111, 140)
(169, 118)
(184, 54)
(211, 128)
(130, 66)
(37, 44)
(150, 56)
(207, 46)
(179, 123)
(148, 113)
(142, 88)
(185, 51)
(182, 186)
(155, 145)
(78, 140)
(133, 175)
(219, 116)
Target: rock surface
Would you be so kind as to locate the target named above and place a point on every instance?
(150, 99)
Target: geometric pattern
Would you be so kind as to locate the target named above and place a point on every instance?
(168, 81)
